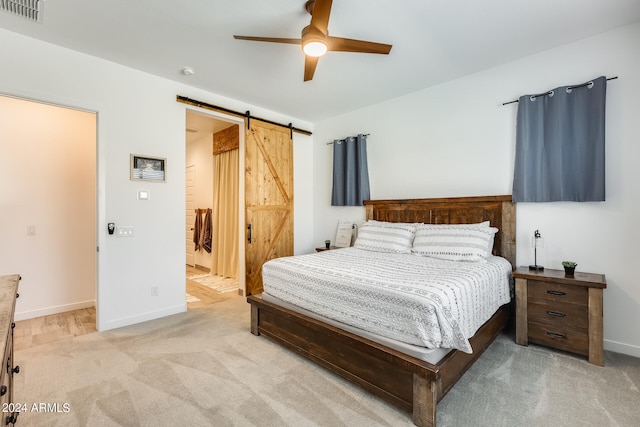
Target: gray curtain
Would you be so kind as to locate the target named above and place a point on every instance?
(560, 145)
(350, 171)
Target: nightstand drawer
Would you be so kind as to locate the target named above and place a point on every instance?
(558, 292)
(559, 337)
(558, 314)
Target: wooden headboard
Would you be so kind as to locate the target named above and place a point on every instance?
(499, 210)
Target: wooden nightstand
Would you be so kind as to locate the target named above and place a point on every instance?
(325, 249)
(560, 311)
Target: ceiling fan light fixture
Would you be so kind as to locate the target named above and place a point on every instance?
(314, 48)
(315, 40)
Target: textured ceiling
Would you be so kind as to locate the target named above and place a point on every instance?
(433, 41)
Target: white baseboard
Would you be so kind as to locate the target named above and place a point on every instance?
(618, 347)
(31, 314)
(142, 317)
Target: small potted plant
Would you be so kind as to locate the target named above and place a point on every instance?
(569, 267)
(327, 244)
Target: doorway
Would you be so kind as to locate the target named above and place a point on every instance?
(204, 283)
(49, 162)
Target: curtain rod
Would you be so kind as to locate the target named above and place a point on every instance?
(569, 87)
(330, 143)
(247, 114)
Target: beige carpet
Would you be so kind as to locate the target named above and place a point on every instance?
(204, 368)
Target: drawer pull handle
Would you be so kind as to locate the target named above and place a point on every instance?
(555, 335)
(554, 292)
(556, 313)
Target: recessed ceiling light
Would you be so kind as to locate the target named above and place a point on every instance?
(188, 71)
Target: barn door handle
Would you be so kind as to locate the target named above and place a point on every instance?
(250, 228)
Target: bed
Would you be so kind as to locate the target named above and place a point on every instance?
(402, 378)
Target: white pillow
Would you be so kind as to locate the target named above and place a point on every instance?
(385, 237)
(484, 224)
(454, 242)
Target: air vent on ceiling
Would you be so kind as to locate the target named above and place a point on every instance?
(29, 9)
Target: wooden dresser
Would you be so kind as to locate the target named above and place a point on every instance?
(560, 311)
(8, 295)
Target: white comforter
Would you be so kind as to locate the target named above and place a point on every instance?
(418, 300)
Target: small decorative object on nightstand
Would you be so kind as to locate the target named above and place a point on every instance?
(569, 268)
(327, 244)
(560, 311)
(344, 233)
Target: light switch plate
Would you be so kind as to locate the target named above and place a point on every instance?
(124, 231)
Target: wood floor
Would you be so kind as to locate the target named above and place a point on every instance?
(65, 326)
(55, 327)
(207, 296)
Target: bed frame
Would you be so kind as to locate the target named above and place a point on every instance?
(408, 382)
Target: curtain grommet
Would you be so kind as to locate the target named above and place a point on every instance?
(532, 98)
(551, 93)
(589, 85)
(569, 89)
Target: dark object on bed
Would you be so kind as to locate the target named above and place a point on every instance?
(403, 380)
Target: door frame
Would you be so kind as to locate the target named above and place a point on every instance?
(190, 225)
(241, 214)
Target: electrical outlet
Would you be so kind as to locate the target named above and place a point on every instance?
(155, 291)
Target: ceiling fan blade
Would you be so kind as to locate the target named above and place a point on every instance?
(269, 39)
(310, 63)
(320, 15)
(339, 44)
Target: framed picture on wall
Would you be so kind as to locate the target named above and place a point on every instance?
(145, 168)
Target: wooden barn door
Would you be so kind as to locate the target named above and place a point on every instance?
(268, 198)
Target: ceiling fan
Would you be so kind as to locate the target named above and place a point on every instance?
(315, 39)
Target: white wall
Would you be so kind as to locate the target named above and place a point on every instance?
(48, 176)
(456, 139)
(304, 193)
(137, 113)
(200, 154)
